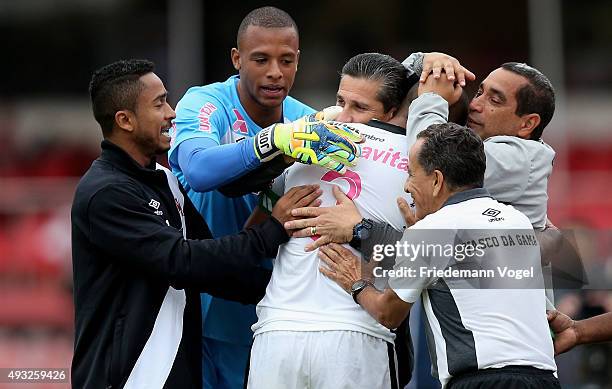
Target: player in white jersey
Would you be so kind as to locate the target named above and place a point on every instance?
(309, 333)
(299, 298)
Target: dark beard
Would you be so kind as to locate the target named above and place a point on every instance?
(149, 146)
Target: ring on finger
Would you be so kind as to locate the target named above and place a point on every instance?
(313, 230)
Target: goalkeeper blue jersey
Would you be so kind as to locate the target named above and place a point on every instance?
(214, 112)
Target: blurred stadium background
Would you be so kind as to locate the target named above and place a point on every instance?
(49, 137)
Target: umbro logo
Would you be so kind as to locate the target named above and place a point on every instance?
(490, 212)
(493, 213)
(155, 205)
(372, 137)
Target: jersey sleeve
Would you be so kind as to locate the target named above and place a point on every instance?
(295, 109)
(425, 110)
(419, 251)
(305, 110)
(208, 165)
(198, 115)
(507, 172)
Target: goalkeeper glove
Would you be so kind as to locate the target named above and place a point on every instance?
(310, 140)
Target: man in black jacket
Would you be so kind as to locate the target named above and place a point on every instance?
(139, 264)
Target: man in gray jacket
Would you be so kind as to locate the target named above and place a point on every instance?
(512, 107)
(509, 112)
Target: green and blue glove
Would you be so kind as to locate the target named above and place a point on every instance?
(311, 140)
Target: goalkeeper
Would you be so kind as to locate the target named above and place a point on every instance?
(213, 144)
(308, 140)
(203, 167)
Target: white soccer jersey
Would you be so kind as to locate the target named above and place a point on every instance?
(299, 297)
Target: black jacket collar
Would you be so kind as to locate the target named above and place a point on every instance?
(387, 127)
(120, 159)
(466, 195)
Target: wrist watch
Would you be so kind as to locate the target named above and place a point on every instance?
(358, 286)
(361, 231)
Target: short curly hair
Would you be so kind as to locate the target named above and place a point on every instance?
(115, 87)
(456, 151)
(267, 17)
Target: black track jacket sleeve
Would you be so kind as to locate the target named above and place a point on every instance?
(123, 224)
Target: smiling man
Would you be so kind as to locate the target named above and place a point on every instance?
(142, 254)
(509, 112)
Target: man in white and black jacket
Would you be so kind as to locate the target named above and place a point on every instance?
(142, 253)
